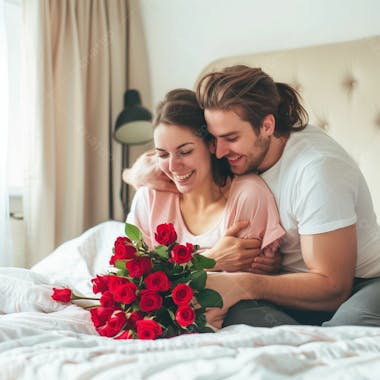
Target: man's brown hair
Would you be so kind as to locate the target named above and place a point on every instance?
(253, 95)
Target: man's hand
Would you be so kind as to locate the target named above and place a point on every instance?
(233, 254)
(146, 172)
(265, 264)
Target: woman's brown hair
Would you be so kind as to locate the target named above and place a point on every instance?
(253, 95)
(180, 107)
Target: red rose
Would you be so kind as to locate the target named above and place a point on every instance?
(100, 315)
(182, 254)
(132, 318)
(107, 299)
(115, 281)
(62, 295)
(182, 294)
(114, 324)
(185, 315)
(157, 281)
(100, 283)
(123, 250)
(145, 264)
(148, 329)
(125, 293)
(126, 334)
(121, 240)
(139, 266)
(150, 300)
(165, 234)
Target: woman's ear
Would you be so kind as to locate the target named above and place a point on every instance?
(268, 126)
(212, 146)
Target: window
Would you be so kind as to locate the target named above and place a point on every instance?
(16, 130)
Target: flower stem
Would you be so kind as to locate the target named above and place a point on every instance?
(75, 297)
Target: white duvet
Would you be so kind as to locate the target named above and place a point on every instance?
(44, 339)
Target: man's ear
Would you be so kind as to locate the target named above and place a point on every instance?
(268, 126)
(212, 146)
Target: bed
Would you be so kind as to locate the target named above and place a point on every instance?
(43, 339)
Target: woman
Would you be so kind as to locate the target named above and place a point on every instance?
(209, 200)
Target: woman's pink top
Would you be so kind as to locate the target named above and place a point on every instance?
(249, 199)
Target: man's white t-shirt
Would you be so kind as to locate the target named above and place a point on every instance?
(319, 188)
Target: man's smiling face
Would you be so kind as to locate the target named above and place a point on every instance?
(236, 140)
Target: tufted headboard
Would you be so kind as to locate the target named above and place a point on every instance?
(340, 87)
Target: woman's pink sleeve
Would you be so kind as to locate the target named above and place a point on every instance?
(251, 199)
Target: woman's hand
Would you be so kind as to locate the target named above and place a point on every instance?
(146, 172)
(231, 288)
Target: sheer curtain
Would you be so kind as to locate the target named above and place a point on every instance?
(74, 81)
(5, 241)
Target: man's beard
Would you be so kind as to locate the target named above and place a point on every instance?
(254, 160)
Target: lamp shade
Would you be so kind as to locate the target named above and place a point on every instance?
(134, 124)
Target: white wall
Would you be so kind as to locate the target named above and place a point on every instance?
(183, 36)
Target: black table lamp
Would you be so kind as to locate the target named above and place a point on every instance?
(133, 127)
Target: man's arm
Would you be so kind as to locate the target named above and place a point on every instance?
(330, 258)
(146, 172)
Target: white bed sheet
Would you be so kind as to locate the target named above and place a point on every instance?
(43, 339)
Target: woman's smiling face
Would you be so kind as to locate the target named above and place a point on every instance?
(183, 156)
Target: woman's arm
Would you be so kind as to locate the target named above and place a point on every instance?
(234, 254)
(250, 246)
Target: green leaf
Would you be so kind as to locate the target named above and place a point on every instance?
(198, 279)
(172, 316)
(162, 251)
(200, 319)
(200, 311)
(202, 262)
(180, 280)
(120, 264)
(209, 298)
(133, 232)
(121, 272)
(170, 332)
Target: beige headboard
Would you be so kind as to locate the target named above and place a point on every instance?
(340, 87)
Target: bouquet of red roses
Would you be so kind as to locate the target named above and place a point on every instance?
(151, 294)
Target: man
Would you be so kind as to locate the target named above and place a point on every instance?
(332, 244)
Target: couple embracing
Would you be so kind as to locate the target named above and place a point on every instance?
(280, 206)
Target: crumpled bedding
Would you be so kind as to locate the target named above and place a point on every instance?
(44, 339)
